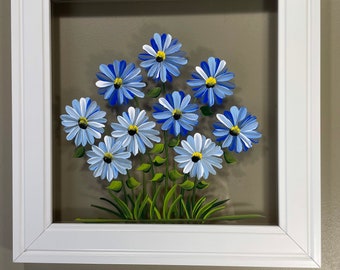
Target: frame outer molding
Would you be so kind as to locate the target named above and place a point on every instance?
(296, 242)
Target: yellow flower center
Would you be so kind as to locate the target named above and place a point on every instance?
(196, 156)
(132, 130)
(210, 82)
(82, 122)
(176, 113)
(160, 56)
(108, 157)
(235, 130)
(118, 82)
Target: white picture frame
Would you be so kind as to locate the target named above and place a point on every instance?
(295, 242)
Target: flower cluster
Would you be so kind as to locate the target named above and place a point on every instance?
(176, 114)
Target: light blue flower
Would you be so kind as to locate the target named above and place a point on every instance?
(176, 114)
(134, 131)
(108, 159)
(236, 129)
(119, 82)
(163, 58)
(198, 156)
(84, 121)
(211, 81)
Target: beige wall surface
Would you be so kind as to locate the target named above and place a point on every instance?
(330, 150)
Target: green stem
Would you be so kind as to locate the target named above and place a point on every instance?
(144, 180)
(153, 173)
(180, 205)
(128, 174)
(166, 149)
(124, 192)
(163, 88)
(137, 102)
(194, 192)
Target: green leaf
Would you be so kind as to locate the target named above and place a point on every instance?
(202, 185)
(157, 149)
(206, 110)
(187, 185)
(229, 158)
(132, 183)
(174, 142)
(158, 161)
(154, 92)
(175, 175)
(158, 177)
(145, 167)
(79, 152)
(115, 185)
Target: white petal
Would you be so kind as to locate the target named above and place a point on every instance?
(149, 50)
(201, 72)
(224, 120)
(198, 142)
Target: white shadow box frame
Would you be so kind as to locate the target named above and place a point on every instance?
(295, 242)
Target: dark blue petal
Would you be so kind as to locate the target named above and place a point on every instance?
(163, 38)
(110, 66)
(217, 60)
(113, 98)
(122, 66)
(205, 67)
(154, 45)
(168, 77)
(229, 116)
(145, 56)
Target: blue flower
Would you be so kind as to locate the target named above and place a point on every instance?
(108, 159)
(84, 121)
(119, 82)
(236, 129)
(134, 131)
(211, 81)
(176, 114)
(198, 156)
(163, 58)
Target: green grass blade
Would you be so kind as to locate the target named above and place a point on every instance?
(173, 205)
(153, 202)
(158, 214)
(235, 217)
(185, 209)
(218, 203)
(113, 204)
(142, 206)
(205, 208)
(107, 210)
(123, 206)
(167, 199)
(136, 206)
(212, 211)
(198, 205)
